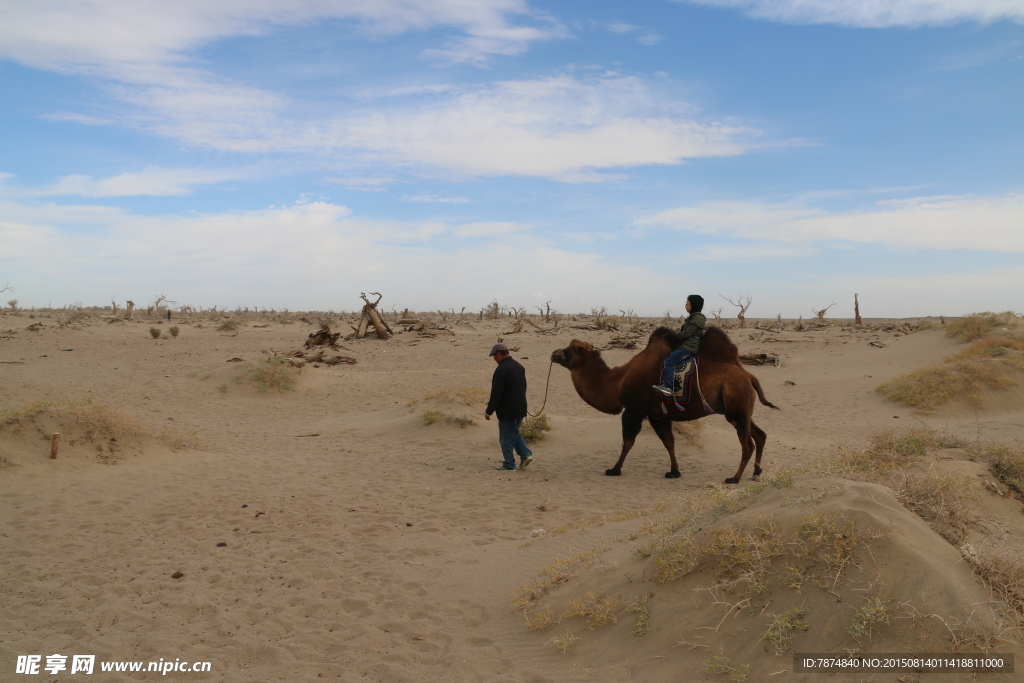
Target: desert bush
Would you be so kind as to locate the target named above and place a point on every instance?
(691, 432)
(541, 619)
(154, 332)
(941, 500)
(1002, 569)
(229, 325)
(931, 386)
(888, 451)
(598, 611)
(977, 325)
(272, 374)
(432, 416)
(642, 610)
(563, 643)
(173, 330)
(875, 611)
(464, 395)
(720, 664)
(1007, 464)
(781, 627)
(533, 428)
(26, 411)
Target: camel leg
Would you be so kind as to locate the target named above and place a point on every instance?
(631, 424)
(742, 424)
(663, 428)
(759, 439)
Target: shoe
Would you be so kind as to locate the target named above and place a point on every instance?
(664, 388)
(504, 469)
(525, 461)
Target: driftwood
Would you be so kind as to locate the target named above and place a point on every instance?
(298, 358)
(623, 341)
(522, 322)
(759, 359)
(323, 337)
(370, 316)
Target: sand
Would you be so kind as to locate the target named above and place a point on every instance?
(327, 533)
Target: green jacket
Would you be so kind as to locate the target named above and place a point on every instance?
(692, 330)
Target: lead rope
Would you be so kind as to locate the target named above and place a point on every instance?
(546, 385)
(696, 369)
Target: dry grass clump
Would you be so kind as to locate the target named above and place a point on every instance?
(642, 610)
(229, 325)
(720, 664)
(977, 325)
(26, 411)
(533, 428)
(781, 627)
(887, 452)
(563, 643)
(597, 610)
(1007, 464)
(558, 572)
(461, 421)
(691, 432)
(464, 395)
(942, 500)
(875, 611)
(1003, 570)
(271, 374)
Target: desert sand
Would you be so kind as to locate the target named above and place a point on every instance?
(328, 533)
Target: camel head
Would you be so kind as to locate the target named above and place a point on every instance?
(574, 355)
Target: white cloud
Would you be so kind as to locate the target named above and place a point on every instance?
(875, 13)
(967, 222)
(434, 199)
(83, 119)
(363, 184)
(290, 255)
(559, 127)
(113, 38)
(156, 182)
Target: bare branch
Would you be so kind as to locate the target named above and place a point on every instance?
(742, 303)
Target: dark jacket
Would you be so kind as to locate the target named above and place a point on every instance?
(690, 333)
(508, 390)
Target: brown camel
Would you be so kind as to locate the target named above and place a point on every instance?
(725, 384)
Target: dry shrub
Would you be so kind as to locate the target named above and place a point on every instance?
(598, 611)
(642, 610)
(564, 642)
(154, 332)
(26, 411)
(432, 416)
(942, 500)
(229, 325)
(272, 374)
(931, 386)
(102, 421)
(533, 428)
(173, 330)
(887, 452)
(977, 325)
(1003, 569)
(691, 432)
(464, 395)
(1007, 464)
(1009, 350)
(781, 627)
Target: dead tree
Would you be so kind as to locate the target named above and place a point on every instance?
(370, 316)
(822, 312)
(742, 303)
(129, 307)
(856, 311)
(7, 286)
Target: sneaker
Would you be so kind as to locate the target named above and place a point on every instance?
(504, 469)
(525, 461)
(664, 388)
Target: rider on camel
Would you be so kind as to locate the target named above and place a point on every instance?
(689, 336)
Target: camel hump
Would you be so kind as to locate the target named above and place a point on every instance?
(716, 346)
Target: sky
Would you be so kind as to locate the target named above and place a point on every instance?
(449, 153)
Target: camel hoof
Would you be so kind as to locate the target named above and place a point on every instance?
(757, 473)
(672, 475)
(732, 480)
(612, 473)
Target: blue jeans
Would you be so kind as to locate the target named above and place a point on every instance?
(674, 359)
(511, 440)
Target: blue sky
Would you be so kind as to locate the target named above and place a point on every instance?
(447, 152)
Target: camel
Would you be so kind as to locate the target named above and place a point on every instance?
(726, 385)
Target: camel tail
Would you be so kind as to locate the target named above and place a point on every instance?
(760, 393)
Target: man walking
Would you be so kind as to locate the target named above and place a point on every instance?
(508, 400)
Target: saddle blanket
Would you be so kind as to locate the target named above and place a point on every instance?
(683, 385)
